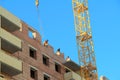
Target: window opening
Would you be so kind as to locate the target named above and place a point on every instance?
(46, 77)
(45, 60)
(32, 53)
(33, 73)
(31, 34)
(57, 67)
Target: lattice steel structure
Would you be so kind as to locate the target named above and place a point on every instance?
(84, 40)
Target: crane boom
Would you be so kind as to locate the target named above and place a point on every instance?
(84, 40)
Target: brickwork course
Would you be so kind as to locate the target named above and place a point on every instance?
(28, 61)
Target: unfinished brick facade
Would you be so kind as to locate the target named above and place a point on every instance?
(37, 63)
(23, 56)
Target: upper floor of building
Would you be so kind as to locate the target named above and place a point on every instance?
(23, 53)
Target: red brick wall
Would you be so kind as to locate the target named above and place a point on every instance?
(37, 63)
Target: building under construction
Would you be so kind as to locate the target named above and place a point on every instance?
(24, 57)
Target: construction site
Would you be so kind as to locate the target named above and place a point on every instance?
(23, 55)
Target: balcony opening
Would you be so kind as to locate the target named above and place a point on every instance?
(32, 53)
(46, 77)
(8, 25)
(57, 67)
(31, 34)
(33, 73)
(45, 60)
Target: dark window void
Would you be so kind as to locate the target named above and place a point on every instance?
(46, 77)
(45, 60)
(57, 67)
(67, 70)
(33, 73)
(32, 53)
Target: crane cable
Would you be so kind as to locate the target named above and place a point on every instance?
(38, 15)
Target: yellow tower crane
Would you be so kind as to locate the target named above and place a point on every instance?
(87, 61)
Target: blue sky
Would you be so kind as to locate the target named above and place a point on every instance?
(57, 25)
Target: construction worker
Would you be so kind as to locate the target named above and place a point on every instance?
(68, 58)
(58, 51)
(45, 43)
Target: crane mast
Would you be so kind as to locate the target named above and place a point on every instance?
(84, 40)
